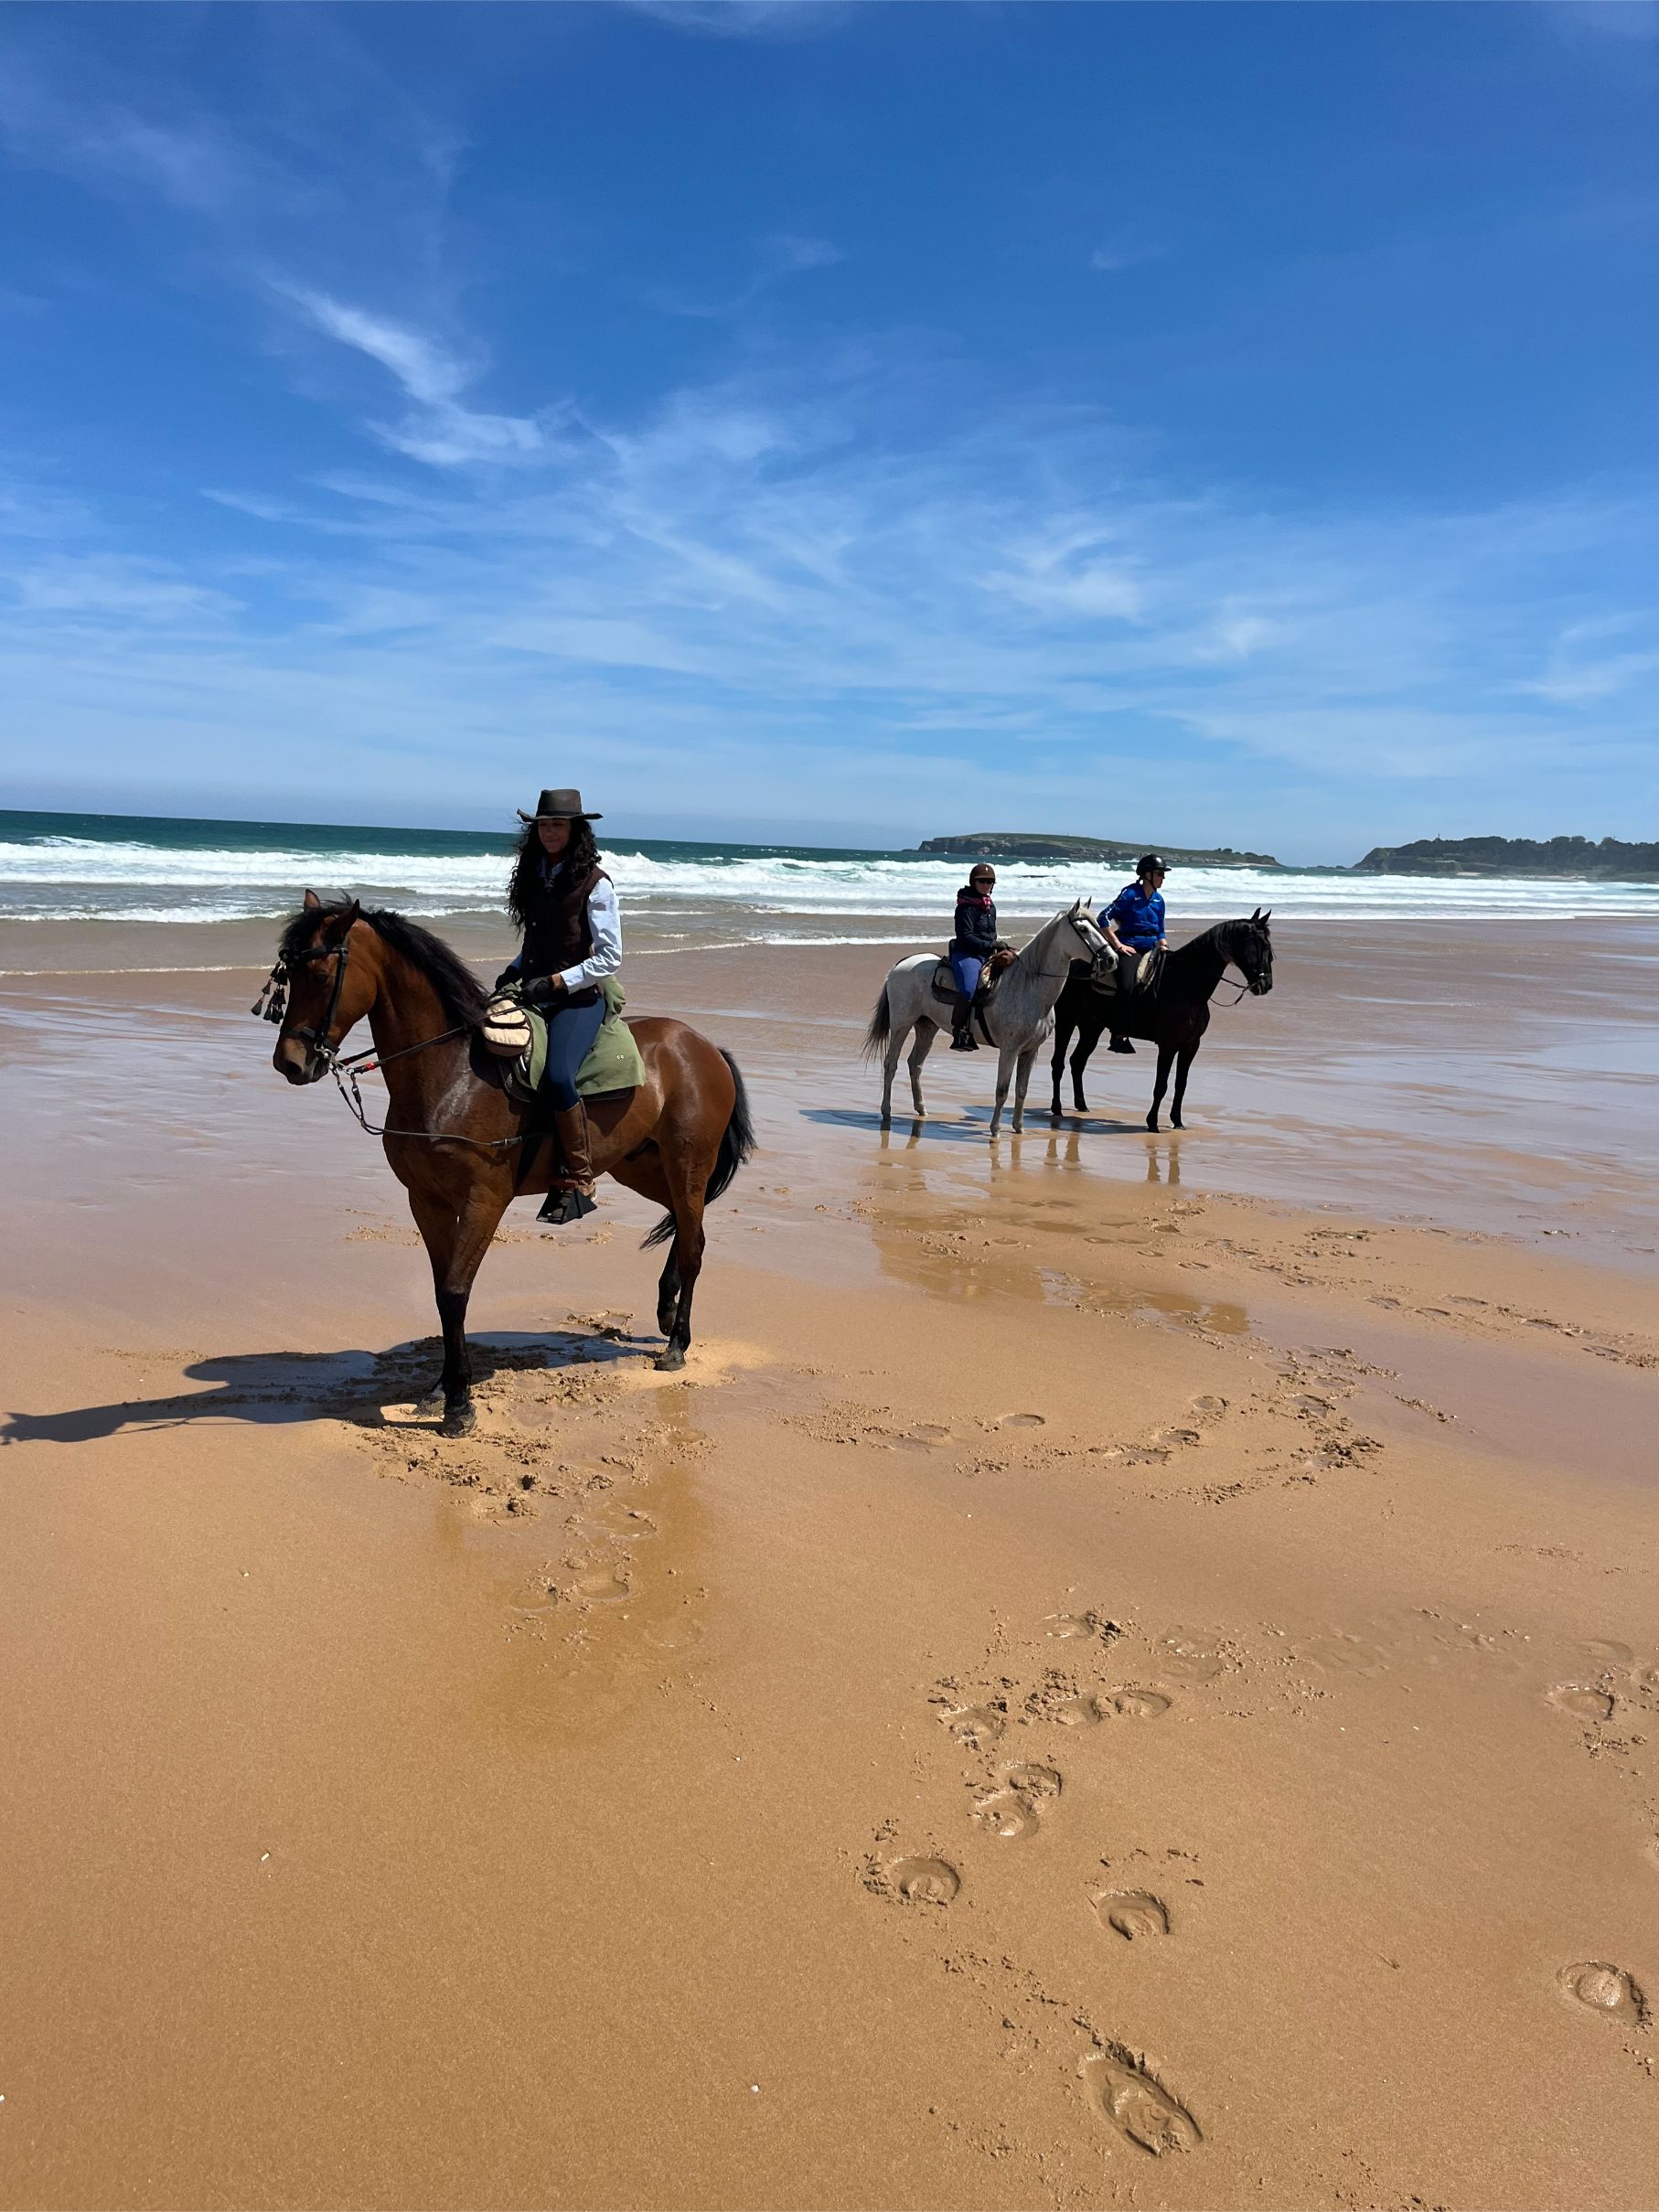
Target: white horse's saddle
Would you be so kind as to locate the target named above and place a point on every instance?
(945, 984)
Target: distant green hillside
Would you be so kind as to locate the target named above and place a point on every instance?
(1611, 860)
(1018, 845)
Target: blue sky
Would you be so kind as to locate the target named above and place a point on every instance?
(1225, 424)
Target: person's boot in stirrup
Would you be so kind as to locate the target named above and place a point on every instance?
(962, 1038)
(572, 1194)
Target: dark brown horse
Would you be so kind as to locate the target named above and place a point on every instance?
(1173, 1014)
(459, 1144)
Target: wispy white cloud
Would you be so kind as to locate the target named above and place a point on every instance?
(439, 428)
(747, 18)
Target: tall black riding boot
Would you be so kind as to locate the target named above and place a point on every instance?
(572, 1194)
(962, 1038)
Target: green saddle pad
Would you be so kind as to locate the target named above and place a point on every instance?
(613, 1065)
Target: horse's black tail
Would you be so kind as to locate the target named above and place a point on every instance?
(736, 1146)
(881, 1027)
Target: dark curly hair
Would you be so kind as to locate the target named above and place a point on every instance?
(524, 886)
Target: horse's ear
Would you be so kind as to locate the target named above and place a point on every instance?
(311, 899)
(1265, 916)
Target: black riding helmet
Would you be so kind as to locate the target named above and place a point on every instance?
(1148, 861)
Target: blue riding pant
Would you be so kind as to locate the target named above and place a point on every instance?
(966, 969)
(571, 1031)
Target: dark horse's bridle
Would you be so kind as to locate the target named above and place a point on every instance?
(272, 1000)
(271, 1005)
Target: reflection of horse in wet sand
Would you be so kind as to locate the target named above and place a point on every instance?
(463, 1148)
(1173, 1014)
(1016, 1020)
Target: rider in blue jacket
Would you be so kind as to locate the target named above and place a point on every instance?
(1134, 924)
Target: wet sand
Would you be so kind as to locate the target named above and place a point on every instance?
(1126, 1672)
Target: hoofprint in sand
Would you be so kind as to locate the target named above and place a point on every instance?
(1083, 1692)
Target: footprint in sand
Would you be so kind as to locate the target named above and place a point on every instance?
(1092, 1708)
(1209, 1405)
(1007, 1814)
(1582, 1699)
(1166, 1437)
(1079, 1713)
(1022, 1420)
(1033, 1781)
(1600, 1988)
(976, 1727)
(925, 1881)
(1190, 1655)
(1140, 2109)
(602, 1586)
(1136, 1704)
(1606, 1651)
(1068, 1626)
(1132, 1914)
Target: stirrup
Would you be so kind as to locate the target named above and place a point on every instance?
(560, 1208)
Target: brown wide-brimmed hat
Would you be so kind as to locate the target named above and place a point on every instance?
(560, 806)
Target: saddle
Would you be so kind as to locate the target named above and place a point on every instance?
(612, 1063)
(1103, 978)
(945, 983)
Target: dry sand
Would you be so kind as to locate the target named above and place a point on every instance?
(1098, 1686)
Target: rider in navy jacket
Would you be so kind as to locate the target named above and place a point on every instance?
(972, 942)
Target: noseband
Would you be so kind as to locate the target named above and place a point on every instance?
(271, 1004)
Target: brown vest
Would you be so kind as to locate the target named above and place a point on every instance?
(559, 936)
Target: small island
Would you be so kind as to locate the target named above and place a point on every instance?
(1021, 845)
(1611, 861)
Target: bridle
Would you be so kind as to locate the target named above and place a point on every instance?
(271, 1005)
(272, 1000)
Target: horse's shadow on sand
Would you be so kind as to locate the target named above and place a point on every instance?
(283, 1389)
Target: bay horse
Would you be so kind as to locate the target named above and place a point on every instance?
(1173, 1014)
(462, 1147)
(1016, 1020)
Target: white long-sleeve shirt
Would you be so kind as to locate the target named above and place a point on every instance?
(604, 927)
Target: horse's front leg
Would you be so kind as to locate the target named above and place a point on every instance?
(1080, 1059)
(1182, 1067)
(1063, 1037)
(1005, 1068)
(1166, 1056)
(1024, 1067)
(456, 1243)
(925, 1033)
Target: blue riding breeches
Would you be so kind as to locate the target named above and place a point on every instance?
(966, 969)
(571, 1031)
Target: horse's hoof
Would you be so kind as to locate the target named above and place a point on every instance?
(1151, 1123)
(460, 1421)
(1176, 1122)
(670, 1362)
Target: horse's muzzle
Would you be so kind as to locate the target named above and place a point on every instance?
(297, 1062)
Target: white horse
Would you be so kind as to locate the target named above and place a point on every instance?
(1020, 1018)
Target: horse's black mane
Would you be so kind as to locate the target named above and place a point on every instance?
(462, 996)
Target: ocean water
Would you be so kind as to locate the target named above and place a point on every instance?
(111, 868)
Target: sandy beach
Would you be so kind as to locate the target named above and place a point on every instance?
(1126, 1672)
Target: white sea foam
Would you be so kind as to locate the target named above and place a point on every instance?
(80, 879)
